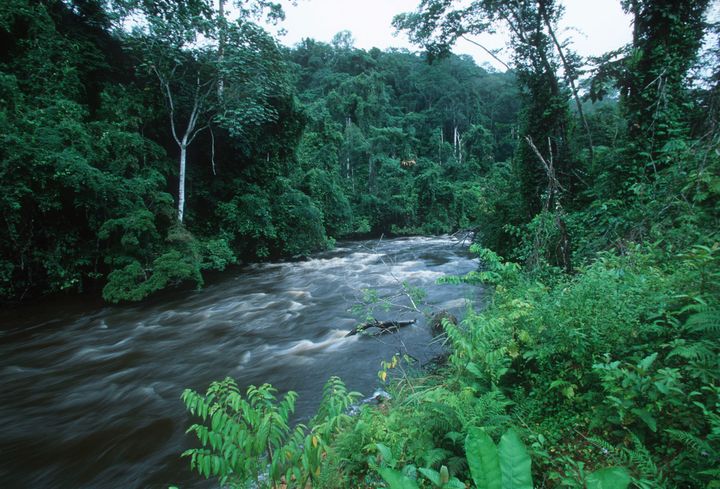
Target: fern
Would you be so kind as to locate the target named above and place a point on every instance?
(640, 460)
(691, 441)
(247, 439)
(705, 320)
(434, 456)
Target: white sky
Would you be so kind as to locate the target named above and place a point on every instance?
(597, 26)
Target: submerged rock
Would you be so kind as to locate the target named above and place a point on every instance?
(377, 397)
(436, 322)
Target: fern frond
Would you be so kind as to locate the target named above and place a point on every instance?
(690, 441)
(699, 350)
(704, 321)
(434, 456)
(640, 458)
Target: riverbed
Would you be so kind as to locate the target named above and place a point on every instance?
(91, 393)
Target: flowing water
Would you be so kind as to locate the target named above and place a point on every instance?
(90, 394)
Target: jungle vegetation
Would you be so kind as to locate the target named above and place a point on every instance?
(146, 143)
(137, 157)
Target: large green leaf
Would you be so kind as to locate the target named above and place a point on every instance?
(396, 480)
(514, 462)
(609, 478)
(482, 457)
(386, 453)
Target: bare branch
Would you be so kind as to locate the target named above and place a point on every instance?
(165, 87)
(487, 51)
(212, 149)
(198, 131)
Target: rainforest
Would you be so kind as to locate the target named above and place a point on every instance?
(549, 229)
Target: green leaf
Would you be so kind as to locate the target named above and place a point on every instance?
(609, 478)
(646, 362)
(432, 475)
(647, 418)
(482, 457)
(474, 369)
(396, 480)
(514, 462)
(454, 483)
(386, 453)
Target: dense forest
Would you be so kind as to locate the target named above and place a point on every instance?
(148, 142)
(134, 160)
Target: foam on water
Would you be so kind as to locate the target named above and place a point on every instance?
(303, 347)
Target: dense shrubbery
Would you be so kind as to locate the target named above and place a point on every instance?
(617, 365)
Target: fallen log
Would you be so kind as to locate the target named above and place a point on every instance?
(383, 325)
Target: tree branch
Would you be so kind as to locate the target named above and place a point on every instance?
(165, 86)
(569, 79)
(487, 51)
(212, 149)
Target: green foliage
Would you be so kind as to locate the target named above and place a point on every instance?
(300, 223)
(483, 460)
(609, 363)
(551, 343)
(441, 479)
(382, 133)
(248, 441)
(243, 435)
(606, 478)
(514, 462)
(397, 480)
(183, 261)
(325, 189)
(88, 112)
(86, 180)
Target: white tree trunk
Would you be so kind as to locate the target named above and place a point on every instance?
(181, 185)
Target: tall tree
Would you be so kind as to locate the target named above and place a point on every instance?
(667, 35)
(210, 70)
(437, 24)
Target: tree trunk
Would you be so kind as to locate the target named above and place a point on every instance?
(181, 184)
(571, 81)
(455, 141)
(382, 325)
(371, 175)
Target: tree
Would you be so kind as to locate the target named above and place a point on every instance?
(667, 35)
(437, 24)
(211, 71)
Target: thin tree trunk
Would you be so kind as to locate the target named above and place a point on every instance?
(442, 141)
(455, 141)
(181, 184)
(371, 175)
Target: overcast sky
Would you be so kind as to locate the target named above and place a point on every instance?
(596, 26)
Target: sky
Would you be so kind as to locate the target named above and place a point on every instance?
(595, 26)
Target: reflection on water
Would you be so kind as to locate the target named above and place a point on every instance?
(91, 394)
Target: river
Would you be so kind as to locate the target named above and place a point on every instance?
(91, 393)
